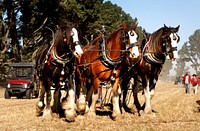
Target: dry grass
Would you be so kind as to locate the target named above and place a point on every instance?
(175, 110)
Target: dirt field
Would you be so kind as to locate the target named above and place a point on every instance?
(175, 110)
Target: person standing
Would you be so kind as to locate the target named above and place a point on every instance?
(187, 80)
(179, 81)
(195, 81)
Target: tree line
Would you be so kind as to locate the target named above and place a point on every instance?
(23, 25)
(23, 22)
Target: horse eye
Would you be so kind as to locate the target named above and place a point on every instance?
(132, 33)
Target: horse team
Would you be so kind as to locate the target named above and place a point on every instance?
(112, 59)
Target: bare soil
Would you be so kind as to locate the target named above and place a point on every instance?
(175, 111)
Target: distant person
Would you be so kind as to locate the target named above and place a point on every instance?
(187, 80)
(195, 81)
(179, 81)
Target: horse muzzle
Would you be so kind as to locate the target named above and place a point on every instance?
(78, 50)
(133, 49)
(172, 56)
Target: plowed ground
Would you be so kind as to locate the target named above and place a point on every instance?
(175, 110)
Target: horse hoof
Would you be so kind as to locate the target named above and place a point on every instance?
(148, 114)
(141, 113)
(115, 116)
(198, 102)
(39, 110)
(81, 108)
(91, 113)
(70, 116)
(55, 115)
(46, 112)
(70, 119)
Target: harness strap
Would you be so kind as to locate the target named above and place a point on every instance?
(145, 46)
(50, 58)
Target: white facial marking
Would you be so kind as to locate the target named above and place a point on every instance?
(78, 50)
(135, 52)
(75, 36)
(133, 38)
(174, 43)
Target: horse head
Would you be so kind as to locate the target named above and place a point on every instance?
(132, 45)
(73, 33)
(170, 41)
(161, 43)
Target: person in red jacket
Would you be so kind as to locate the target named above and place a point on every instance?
(195, 82)
(187, 80)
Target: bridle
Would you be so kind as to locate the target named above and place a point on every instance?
(167, 46)
(125, 38)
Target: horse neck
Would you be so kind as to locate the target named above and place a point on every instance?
(62, 48)
(155, 45)
(152, 51)
(115, 44)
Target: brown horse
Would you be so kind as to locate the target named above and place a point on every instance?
(146, 69)
(102, 61)
(55, 68)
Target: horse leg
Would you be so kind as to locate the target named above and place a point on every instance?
(81, 101)
(147, 96)
(40, 104)
(115, 100)
(68, 104)
(57, 108)
(47, 86)
(135, 90)
(88, 96)
(124, 84)
(95, 87)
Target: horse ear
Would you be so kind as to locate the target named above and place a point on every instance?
(124, 25)
(165, 26)
(177, 28)
(135, 25)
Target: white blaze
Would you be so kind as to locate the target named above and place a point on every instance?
(78, 49)
(133, 39)
(75, 36)
(135, 51)
(174, 43)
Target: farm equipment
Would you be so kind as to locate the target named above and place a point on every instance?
(21, 81)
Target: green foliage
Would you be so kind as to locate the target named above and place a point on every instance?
(87, 16)
(190, 51)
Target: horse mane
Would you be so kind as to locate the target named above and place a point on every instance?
(114, 33)
(58, 36)
(156, 41)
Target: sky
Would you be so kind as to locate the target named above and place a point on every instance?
(153, 14)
